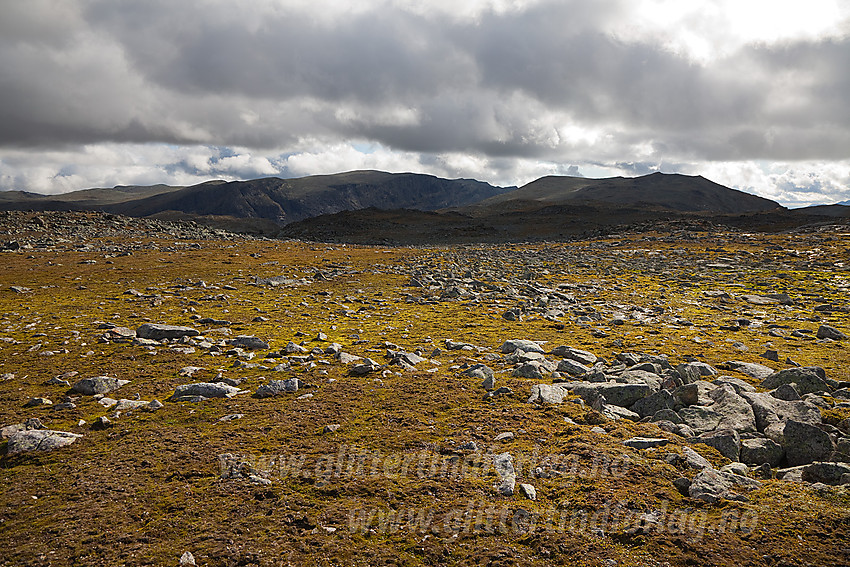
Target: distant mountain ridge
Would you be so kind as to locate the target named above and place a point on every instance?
(279, 200)
(675, 192)
(566, 205)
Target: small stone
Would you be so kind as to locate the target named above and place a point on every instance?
(524, 345)
(187, 559)
(188, 371)
(771, 355)
(709, 485)
(827, 332)
(528, 491)
(330, 428)
(506, 436)
(101, 423)
(36, 402)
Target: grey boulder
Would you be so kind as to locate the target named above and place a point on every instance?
(39, 440)
(158, 332)
(803, 443)
(523, 345)
(806, 379)
(827, 332)
(548, 393)
(248, 342)
(98, 385)
(504, 465)
(204, 389)
(751, 369)
(769, 410)
(277, 387)
(761, 450)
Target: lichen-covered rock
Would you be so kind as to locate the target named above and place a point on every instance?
(277, 387)
(504, 465)
(523, 345)
(548, 393)
(158, 332)
(761, 450)
(98, 385)
(769, 410)
(204, 389)
(726, 441)
(623, 395)
(39, 440)
(248, 342)
(570, 353)
(806, 379)
(803, 443)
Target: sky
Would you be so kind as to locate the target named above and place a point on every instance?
(752, 94)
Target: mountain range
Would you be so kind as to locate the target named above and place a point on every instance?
(364, 205)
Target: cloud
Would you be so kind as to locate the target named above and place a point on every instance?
(464, 87)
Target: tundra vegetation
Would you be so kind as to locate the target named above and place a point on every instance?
(176, 394)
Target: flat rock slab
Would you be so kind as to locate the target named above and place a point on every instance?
(807, 380)
(277, 387)
(39, 440)
(548, 393)
(645, 442)
(523, 345)
(98, 385)
(249, 342)
(751, 369)
(504, 465)
(204, 389)
(158, 332)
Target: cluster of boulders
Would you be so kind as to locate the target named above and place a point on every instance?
(777, 424)
(81, 231)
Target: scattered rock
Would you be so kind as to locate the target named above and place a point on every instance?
(504, 465)
(190, 392)
(761, 450)
(827, 332)
(39, 440)
(277, 387)
(101, 423)
(806, 379)
(98, 385)
(803, 443)
(523, 345)
(528, 491)
(27, 425)
(248, 342)
(158, 332)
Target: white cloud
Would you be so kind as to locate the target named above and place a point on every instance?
(98, 92)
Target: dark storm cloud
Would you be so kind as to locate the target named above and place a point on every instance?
(502, 84)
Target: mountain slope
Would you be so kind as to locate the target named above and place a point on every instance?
(272, 198)
(288, 200)
(670, 191)
(86, 199)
